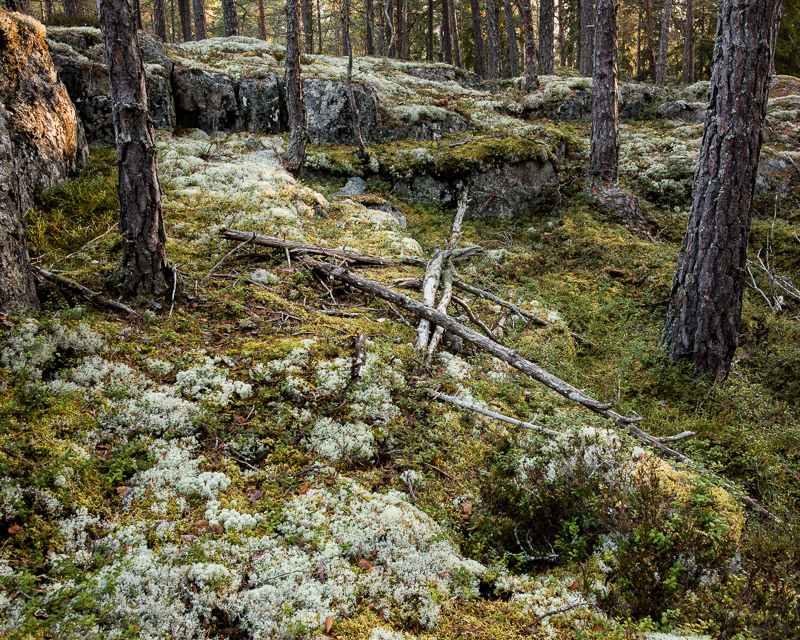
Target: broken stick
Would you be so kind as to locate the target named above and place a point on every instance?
(97, 298)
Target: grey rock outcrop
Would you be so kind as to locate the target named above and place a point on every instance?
(694, 113)
(41, 144)
(329, 118)
(262, 104)
(205, 100)
(776, 174)
(578, 107)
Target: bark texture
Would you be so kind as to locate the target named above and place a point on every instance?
(562, 38)
(587, 37)
(230, 18)
(70, 8)
(661, 71)
(388, 10)
(454, 34)
(447, 44)
(531, 64)
(493, 58)
(41, 143)
(402, 32)
(704, 315)
(296, 150)
(199, 7)
(687, 73)
(429, 34)
(604, 151)
(185, 12)
(648, 27)
(370, 28)
(262, 24)
(546, 27)
(144, 259)
(307, 12)
(159, 20)
(477, 28)
(511, 32)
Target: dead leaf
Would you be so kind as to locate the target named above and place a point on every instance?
(467, 509)
(365, 565)
(328, 624)
(188, 537)
(304, 489)
(574, 586)
(201, 524)
(217, 528)
(14, 529)
(255, 495)
(123, 492)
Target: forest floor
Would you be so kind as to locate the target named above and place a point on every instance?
(212, 468)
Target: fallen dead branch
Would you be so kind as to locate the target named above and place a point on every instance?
(96, 298)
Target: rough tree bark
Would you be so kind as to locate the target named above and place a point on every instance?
(48, 9)
(454, 34)
(370, 28)
(562, 39)
(477, 28)
(587, 38)
(70, 8)
(648, 27)
(511, 33)
(604, 151)
(230, 18)
(494, 59)
(185, 12)
(429, 34)
(402, 31)
(546, 20)
(320, 39)
(137, 14)
(144, 259)
(447, 44)
(159, 20)
(307, 12)
(262, 23)
(704, 315)
(531, 64)
(296, 150)
(661, 71)
(199, 7)
(687, 73)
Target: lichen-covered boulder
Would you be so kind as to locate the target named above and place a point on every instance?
(205, 100)
(578, 107)
(41, 144)
(329, 118)
(262, 104)
(682, 110)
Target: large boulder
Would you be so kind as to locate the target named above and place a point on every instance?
(205, 100)
(262, 104)
(694, 113)
(329, 118)
(41, 144)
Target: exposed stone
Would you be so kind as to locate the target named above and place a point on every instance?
(426, 129)
(262, 104)
(578, 107)
(446, 73)
(205, 101)
(682, 110)
(354, 187)
(329, 118)
(776, 174)
(41, 144)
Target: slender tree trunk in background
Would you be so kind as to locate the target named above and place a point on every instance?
(70, 8)
(454, 34)
(429, 34)
(159, 20)
(546, 18)
(48, 10)
(776, 25)
(144, 259)
(579, 26)
(230, 17)
(562, 41)
(531, 64)
(661, 72)
(319, 27)
(477, 28)
(137, 14)
(307, 12)
(687, 73)
(639, 43)
(648, 27)
(604, 150)
(345, 26)
(587, 37)
(402, 33)
(172, 19)
(370, 28)
(185, 12)
(493, 57)
(296, 149)
(199, 8)
(705, 310)
(362, 150)
(262, 22)
(447, 45)
(511, 32)
(390, 31)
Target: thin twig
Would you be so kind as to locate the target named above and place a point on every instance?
(239, 246)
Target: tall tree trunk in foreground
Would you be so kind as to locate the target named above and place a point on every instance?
(531, 78)
(705, 310)
(296, 150)
(604, 150)
(370, 28)
(144, 259)
(687, 73)
(477, 28)
(362, 150)
(307, 12)
(199, 7)
(230, 18)
(661, 72)
(511, 32)
(447, 45)
(648, 28)
(429, 34)
(159, 20)
(546, 19)
(454, 34)
(587, 38)
(493, 58)
(185, 12)
(562, 40)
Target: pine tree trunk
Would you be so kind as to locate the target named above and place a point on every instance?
(546, 18)
(70, 8)
(370, 28)
(661, 72)
(48, 10)
(493, 57)
(390, 31)
(137, 14)
(477, 29)
(511, 33)
(402, 34)
(362, 150)
(648, 27)
(159, 20)
(604, 150)
(639, 44)
(531, 64)
(144, 260)
(296, 150)
(587, 37)
(262, 22)
(704, 315)
(447, 44)
(230, 17)
(199, 7)
(185, 12)
(429, 38)
(687, 73)
(562, 41)
(319, 27)
(307, 12)
(454, 34)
